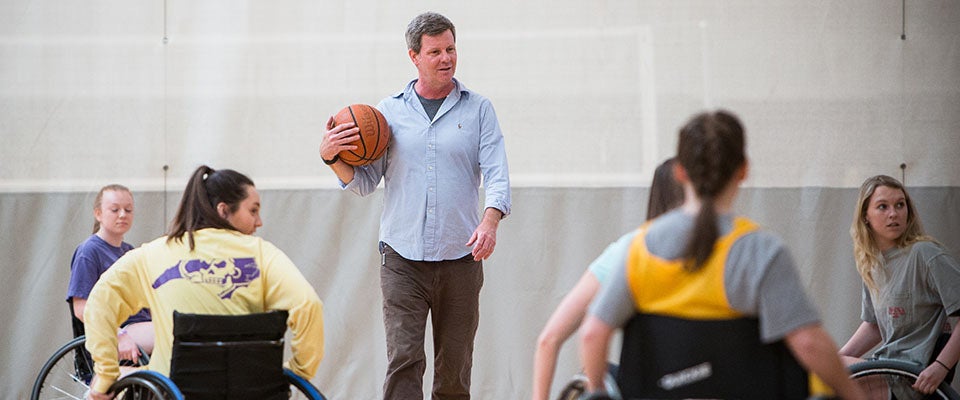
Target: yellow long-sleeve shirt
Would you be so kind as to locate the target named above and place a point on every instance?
(228, 273)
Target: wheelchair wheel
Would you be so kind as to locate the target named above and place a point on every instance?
(574, 389)
(145, 385)
(892, 379)
(577, 387)
(67, 373)
(302, 389)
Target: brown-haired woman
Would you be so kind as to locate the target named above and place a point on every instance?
(209, 263)
(701, 267)
(665, 194)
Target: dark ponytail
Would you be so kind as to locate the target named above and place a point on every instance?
(711, 149)
(665, 192)
(198, 206)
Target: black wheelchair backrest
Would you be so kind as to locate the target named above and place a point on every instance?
(666, 358)
(236, 357)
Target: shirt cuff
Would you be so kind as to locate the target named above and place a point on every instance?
(103, 383)
(500, 205)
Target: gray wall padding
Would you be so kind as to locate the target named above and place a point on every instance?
(542, 250)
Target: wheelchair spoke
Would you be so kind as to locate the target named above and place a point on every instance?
(66, 395)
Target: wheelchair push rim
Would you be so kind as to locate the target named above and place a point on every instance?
(898, 376)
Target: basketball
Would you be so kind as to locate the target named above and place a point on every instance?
(374, 134)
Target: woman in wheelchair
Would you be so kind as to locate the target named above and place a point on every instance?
(209, 263)
(910, 286)
(712, 306)
(665, 194)
(113, 218)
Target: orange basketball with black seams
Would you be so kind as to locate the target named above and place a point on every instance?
(374, 135)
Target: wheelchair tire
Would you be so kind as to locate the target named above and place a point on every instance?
(899, 376)
(145, 385)
(302, 389)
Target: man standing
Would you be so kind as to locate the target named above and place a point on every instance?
(433, 238)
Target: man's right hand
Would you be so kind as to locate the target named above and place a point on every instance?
(336, 137)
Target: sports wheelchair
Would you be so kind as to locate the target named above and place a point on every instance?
(658, 363)
(214, 357)
(67, 373)
(896, 376)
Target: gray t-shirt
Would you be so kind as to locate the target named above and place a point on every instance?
(760, 279)
(431, 106)
(918, 288)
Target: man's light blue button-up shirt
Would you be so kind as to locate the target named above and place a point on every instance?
(432, 173)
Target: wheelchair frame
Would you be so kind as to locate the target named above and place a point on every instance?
(248, 341)
(151, 385)
(139, 384)
(894, 369)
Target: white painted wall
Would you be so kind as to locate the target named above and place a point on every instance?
(588, 93)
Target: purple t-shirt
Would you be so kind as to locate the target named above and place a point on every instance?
(90, 260)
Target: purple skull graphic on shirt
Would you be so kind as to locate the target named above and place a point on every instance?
(230, 275)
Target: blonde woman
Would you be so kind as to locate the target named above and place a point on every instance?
(910, 285)
(113, 218)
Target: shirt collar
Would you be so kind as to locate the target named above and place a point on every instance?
(409, 92)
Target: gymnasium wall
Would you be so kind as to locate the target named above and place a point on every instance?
(589, 96)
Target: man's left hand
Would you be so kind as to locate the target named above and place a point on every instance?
(484, 238)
